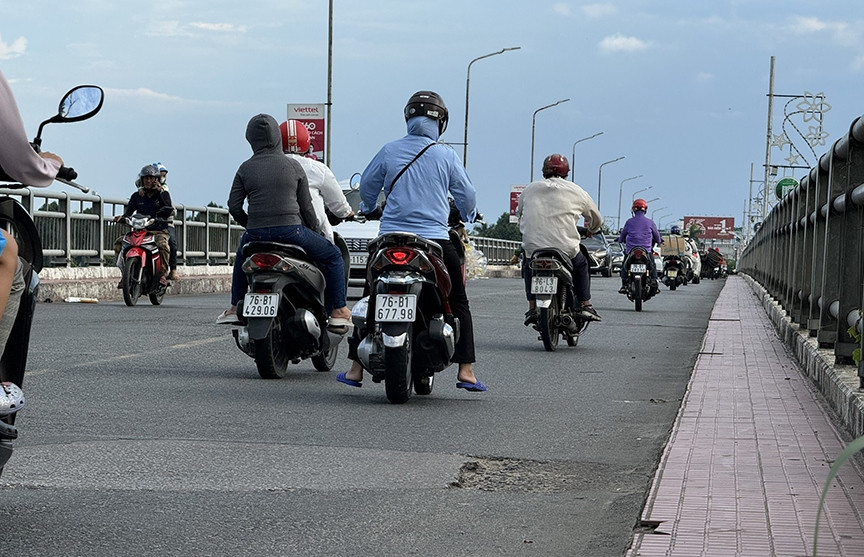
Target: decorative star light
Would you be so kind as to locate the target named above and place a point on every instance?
(816, 136)
(792, 159)
(780, 141)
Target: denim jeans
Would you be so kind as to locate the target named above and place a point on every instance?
(326, 256)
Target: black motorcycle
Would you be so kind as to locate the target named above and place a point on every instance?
(406, 329)
(78, 104)
(284, 317)
(552, 285)
(640, 287)
(674, 274)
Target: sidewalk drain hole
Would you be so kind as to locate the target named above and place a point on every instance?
(650, 527)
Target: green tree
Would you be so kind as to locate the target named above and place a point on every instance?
(503, 229)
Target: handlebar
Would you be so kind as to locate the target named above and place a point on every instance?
(66, 173)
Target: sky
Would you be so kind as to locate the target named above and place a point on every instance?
(677, 88)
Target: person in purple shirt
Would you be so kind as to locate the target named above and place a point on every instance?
(639, 231)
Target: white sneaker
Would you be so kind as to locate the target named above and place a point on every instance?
(226, 318)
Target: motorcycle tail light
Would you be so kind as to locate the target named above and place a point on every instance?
(400, 256)
(544, 264)
(266, 261)
(639, 253)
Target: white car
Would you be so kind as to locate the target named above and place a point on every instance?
(357, 236)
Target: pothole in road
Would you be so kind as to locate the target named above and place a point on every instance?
(504, 474)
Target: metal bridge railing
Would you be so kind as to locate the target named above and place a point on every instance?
(79, 230)
(809, 251)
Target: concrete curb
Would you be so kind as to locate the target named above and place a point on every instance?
(838, 384)
(57, 284)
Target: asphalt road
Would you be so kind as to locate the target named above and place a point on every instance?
(147, 432)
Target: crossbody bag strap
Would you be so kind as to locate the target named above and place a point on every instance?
(404, 168)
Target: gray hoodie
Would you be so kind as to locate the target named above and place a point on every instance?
(275, 186)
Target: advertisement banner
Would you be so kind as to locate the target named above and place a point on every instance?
(515, 192)
(712, 228)
(313, 117)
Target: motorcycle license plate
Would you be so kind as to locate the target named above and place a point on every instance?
(260, 305)
(395, 307)
(544, 285)
(672, 273)
(639, 268)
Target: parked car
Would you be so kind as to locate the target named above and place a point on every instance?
(357, 236)
(599, 256)
(616, 260)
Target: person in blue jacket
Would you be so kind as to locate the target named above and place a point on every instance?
(639, 231)
(418, 203)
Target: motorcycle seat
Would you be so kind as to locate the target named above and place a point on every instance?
(288, 250)
(556, 253)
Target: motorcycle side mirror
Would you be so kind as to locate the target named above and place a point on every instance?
(352, 184)
(80, 103)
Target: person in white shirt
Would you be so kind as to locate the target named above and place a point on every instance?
(549, 211)
(323, 185)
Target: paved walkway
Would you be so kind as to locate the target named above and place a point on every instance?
(749, 454)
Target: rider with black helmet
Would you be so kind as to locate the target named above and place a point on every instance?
(417, 174)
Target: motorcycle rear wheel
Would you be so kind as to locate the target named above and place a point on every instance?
(156, 297)
(271, 358)
(325, 361)
(423, 383)
(398, 379)
(549, 326)
(637, 299)
(131, 282)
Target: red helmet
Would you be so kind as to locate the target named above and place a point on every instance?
(556, 165)
(295, 137)
(640, 205)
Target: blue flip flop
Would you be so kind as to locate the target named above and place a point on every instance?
(477, 387)
(342, 379)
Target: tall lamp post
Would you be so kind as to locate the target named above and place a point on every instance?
(620, 192)
(533, 122)
(600, 177)
(655, 210)
(573, 157)
(632, 199)
(467, 85)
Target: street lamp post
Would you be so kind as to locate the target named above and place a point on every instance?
(467, 85)
(621, 191)
(600, 177)
(573, 157)
(655, 210)
(632, 199)
(660, 219)
(533, 121)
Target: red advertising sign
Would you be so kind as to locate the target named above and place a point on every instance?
(712, 228)
(515, 192)
(312, 116)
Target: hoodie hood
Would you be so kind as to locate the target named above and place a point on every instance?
(423, 125)
(262, 133)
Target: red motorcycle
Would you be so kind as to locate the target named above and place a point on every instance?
(141, 262)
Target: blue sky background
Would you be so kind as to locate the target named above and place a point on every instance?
(677, 88)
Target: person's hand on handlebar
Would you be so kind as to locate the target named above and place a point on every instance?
(52, 156)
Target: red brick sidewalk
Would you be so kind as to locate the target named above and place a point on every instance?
(749, 453)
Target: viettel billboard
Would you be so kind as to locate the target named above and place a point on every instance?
(712, 228)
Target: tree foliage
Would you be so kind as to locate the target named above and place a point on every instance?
(503, 229)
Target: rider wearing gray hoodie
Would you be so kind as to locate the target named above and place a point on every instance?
(280, 209)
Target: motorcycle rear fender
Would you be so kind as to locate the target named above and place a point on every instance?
(259, 327)
(544, 300)
(394, 335)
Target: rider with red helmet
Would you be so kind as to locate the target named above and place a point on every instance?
(323, 186)
(548, 212)
(639, 231)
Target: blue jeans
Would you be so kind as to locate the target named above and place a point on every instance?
(326, 256)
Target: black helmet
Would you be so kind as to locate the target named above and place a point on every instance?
(149, 170)
(429, 104)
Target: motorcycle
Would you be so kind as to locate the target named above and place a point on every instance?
(674, 274)
(640, 286)
(552, 285)
(406, 328)
(141, 262)
(283, 315)
(80, 103)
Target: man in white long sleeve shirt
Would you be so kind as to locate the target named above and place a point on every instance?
(323, 186)
(549, 211)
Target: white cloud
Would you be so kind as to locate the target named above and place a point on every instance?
(219, 27)
(704, 77)
(620, 43)
(14, 50)
(144, 94)
(839, 31)
(562, 9)
(598, 10)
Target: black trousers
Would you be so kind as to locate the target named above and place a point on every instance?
(464, 350)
